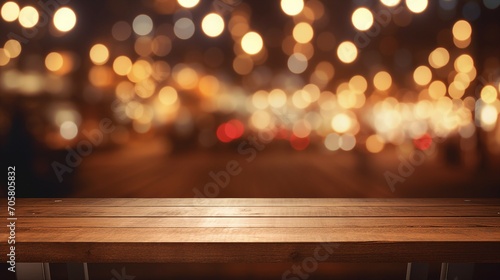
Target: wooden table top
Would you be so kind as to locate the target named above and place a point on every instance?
(254, 230)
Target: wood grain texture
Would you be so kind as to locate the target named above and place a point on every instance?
(225, 202)
(261, 211)
(255, 230)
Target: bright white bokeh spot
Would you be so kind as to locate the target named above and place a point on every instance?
(64, 19)
(28, 17)
(142, 25)
(212, 25)
(417, 6)
(184, 28)
(252, 43)
(347, 52)
(292, 7)
(362, 19)
(10, 11)
(341, 123)
(390, 3)
(188, 3)
(68, 130)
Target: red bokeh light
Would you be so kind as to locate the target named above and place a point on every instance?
(229, 131)
(424, 142)
(298, 143)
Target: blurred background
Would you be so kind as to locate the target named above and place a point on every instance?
(311, 98)
(234, 98)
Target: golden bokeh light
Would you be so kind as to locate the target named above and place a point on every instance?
(100, 76)
(10, 11)
(168, 95)
(99, 54)
(301, 99)
(437, 89)
(464, 63)
(456, 90)
(145, 88)
(212, 25)
(277, 98)
(362, 19)
(54, 61)
(382, 80)
(292, 7)
(301, 128)
(122, 65)
(462, 30)
(422, 75)
(141, 70)
(124, 90)
(358, 84)
(209, 86)
(12, 48)
(489, 94)
(303, 32)
(374, 143)
(28, 17)
(259, 99)
(260, 119)
(439, 58)
(64, 19)
(4, 57)
(252, 43)
(347, 52)
(186, 77)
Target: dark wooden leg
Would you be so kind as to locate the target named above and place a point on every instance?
(417, 271)
(33, 271)
(77, 271)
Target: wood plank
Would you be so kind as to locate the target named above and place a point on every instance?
(281, 222)
(272, 211)
(255, 230)
(225, 202)
(256, 252)
(265, 235)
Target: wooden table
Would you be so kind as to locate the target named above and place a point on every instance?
(303, 231)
